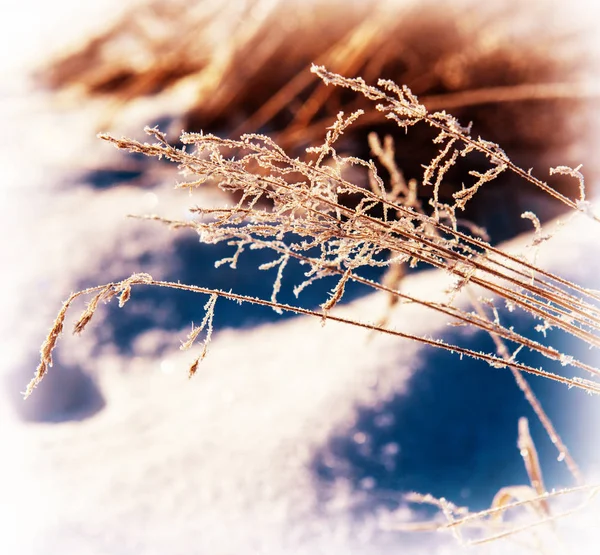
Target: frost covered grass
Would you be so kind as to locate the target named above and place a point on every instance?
(342, 215)
(292, 207)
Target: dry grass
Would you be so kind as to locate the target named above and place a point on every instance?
(244, 67)
(361, 199)
(304, 219)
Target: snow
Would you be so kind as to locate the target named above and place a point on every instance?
(292, 438)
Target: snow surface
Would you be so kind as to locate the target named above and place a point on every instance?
(292, 438)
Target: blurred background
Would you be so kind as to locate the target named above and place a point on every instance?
(292, 438)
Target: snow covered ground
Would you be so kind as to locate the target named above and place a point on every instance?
(292, 438)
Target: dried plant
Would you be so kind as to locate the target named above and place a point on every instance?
(536, 518)
(297, 207)
(241, 66)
